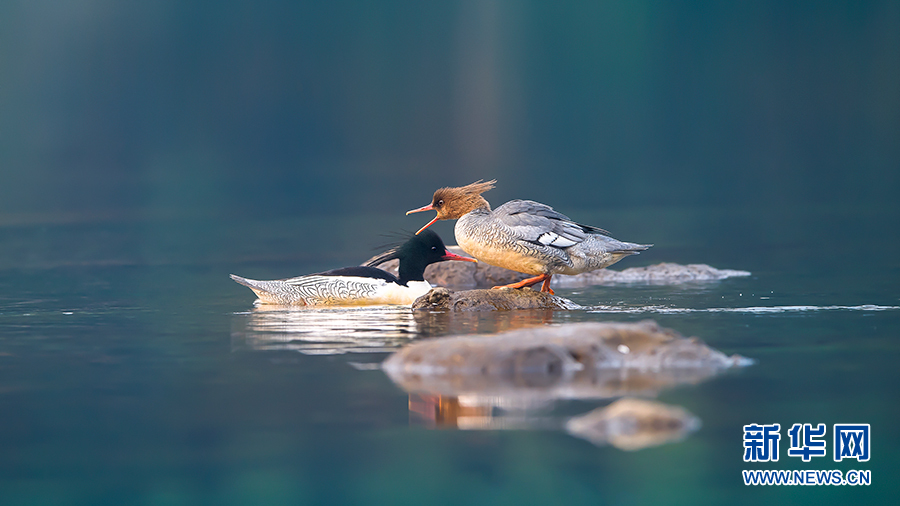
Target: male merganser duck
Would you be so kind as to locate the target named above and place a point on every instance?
(364, 285)
(525, 236)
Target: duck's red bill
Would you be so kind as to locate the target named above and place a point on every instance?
(419, 210)
(448, 255)
(426, 225)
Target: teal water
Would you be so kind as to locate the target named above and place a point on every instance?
(133, 371)
(149, 149)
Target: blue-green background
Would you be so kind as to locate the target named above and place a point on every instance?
(148, 149)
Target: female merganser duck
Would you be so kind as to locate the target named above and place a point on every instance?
(525, 236)
(362, 285)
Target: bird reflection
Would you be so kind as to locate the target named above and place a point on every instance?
(469, 412)
(370, 329)
(447, 411)
(324, 331)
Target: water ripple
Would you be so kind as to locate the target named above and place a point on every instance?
(743, 310)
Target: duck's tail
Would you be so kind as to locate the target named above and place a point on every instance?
(630, 248)
(626, 249)
(272, 292)
(599, 251)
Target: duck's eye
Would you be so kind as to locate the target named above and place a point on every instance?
(434, 247)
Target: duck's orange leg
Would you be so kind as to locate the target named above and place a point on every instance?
(546, 286)
(531, 281)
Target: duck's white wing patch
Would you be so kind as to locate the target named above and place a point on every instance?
(554, 239)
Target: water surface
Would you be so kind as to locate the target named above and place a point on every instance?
(132, 370)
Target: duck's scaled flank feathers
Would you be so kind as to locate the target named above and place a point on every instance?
(360, 285)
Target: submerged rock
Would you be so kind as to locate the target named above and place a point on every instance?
(482, 275)
(442, 299)
(632, 424)
(578, 360)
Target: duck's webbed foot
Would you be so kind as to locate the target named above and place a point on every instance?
(546, 286)
(531, 281)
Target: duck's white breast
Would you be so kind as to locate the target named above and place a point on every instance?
(393, 293)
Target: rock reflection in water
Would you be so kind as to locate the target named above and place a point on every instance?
(627, 424)
(632, 424)
(442, 323)
(512, 380)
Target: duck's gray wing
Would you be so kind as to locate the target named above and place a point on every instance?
(539, 224)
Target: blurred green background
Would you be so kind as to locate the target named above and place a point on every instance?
(282, 108)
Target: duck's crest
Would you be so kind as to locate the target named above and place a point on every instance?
(384, 257)
(476, 188)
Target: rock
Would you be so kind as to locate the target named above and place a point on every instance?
(442, 299)
(482, 275)
(572, 361)
(632, 424)
(659, 274)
